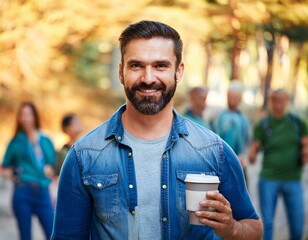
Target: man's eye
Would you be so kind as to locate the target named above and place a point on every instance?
(161, 65)
(135, 65)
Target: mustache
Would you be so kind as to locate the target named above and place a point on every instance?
(152, 86)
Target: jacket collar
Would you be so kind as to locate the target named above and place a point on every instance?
(115, 126)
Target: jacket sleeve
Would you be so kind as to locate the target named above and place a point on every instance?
(8, 159)
(74, 205)
(233, 187)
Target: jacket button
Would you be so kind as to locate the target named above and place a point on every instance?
(133, 212)
(99, 185)
(164, 219)
(164, 186)
(119, 138)
(129, 154)
(164, 155)
(131, 186)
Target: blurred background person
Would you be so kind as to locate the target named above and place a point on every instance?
(29, 162)
(232, 125)
(197, 100)
(72, 127)
(280, 135)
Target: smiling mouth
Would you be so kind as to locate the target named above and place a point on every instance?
(148, 90)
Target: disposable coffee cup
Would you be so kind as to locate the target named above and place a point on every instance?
(196, 187)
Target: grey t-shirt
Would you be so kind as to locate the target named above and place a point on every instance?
(147, 156)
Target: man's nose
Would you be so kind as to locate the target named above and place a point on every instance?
(149, 75)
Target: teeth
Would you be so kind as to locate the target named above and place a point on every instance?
(149, 90)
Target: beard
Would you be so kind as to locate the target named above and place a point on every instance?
(150, 105)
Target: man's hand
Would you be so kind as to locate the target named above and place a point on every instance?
(222, 220)
(49, 172)
(253, 150)
(8, 173)
(304, 149)
(241, 158)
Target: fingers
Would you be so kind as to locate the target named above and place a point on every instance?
(222, 213)
(214, 197)
(213, 218)
(206, 220)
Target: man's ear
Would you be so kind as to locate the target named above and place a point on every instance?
(179, 72)
(120, 73)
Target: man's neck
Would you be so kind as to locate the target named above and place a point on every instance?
(278, 115)
(196, 112)
(147, 126)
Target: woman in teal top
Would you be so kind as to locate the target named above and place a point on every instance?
(29, 163)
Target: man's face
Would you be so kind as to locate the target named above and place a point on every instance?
(74, 129)
(234, 100)
(149, 74)
(279, 103)
(198, 102)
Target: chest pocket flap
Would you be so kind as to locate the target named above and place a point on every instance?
(105, 192)
(100, 181)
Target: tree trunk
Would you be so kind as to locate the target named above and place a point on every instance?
(208, 50)
(235, 58)
(294, 81)
(268, 79)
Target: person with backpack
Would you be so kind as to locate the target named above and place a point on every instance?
(233, 126)
(283, 137)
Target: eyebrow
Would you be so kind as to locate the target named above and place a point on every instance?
(166, 62)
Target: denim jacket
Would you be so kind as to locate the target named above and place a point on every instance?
(97, 194)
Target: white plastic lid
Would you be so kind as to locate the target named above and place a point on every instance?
(201, 178)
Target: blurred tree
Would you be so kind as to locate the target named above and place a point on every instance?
(289, 18)
(57, 41)
(238, 25)
(233, 24)
(91, 62)
(34, 34)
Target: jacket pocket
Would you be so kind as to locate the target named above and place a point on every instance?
(105, 193)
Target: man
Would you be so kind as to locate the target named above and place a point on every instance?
(232, 125)
(197, 99)
(72, 127)
(281, 135)
(125, 179)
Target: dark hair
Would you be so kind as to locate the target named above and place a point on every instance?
(148, 30)
(67, 120)
(37, 124)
